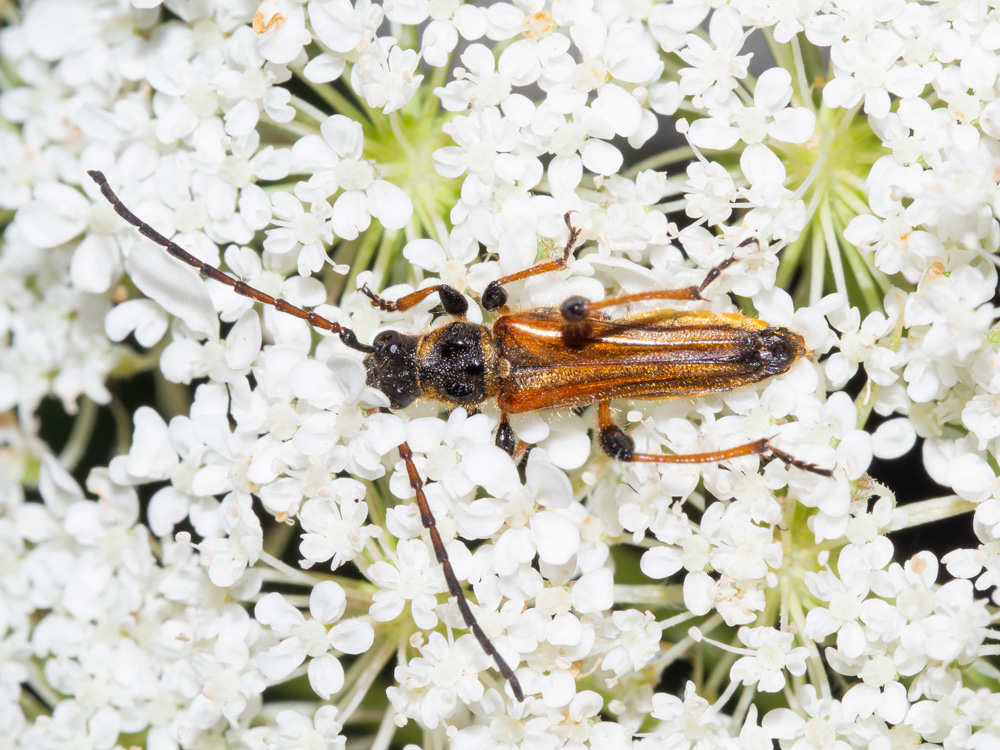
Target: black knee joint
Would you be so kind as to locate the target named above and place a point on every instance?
(494, 296)
(616, 443)
(453, 302)
(574, 310)
(505, 439)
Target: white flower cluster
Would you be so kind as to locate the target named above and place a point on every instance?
(292, 143)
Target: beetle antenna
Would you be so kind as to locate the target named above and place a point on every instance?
(454, 588)
(211, 272)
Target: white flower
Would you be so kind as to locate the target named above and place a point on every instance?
(414, 578)
(281, 30)
(298, 731)
(343, 26)
(772, 655)
(770, 117)
(386, 76)
(249, 88)
(485, 151)
(788, 19)
(336, 163)
(867, 70)
(710, 192)
(741, 549)
(216, 123)
(482, 82)
(502, 720)
(334, 527)
(640, 638)
(687, 720)
(846, 593)
(776, 211)
(715, 66)
(303, 233)
(432, 684)
(312, 638)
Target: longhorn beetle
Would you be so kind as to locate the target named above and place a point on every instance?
(544, 359)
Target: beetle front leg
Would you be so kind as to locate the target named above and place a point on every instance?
(452, 300)
(454, 588)
(619, 446)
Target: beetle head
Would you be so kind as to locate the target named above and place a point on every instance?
(392, 367)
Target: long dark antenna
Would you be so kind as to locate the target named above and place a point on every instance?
(454, 587)
(211, 272)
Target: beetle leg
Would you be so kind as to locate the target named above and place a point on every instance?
(578, 309)
(451, 299)
(505, 439)
(454, 588)
(494, 297)
(621, 447)
(519, 450)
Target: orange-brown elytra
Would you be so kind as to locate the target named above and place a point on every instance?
(544, 359)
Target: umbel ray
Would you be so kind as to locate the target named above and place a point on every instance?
(544, 359)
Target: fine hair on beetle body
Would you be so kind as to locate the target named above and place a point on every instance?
(538, 359)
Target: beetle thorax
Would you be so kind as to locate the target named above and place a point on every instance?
(457, 364)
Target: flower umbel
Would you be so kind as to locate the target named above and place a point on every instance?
(208, 535)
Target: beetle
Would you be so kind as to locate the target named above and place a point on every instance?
(544, 359)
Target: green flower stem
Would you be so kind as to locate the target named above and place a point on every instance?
(40, 687)
(432, 105)
(816, 266)
(743, 703)
(364, 250)
(679, 650)
(386, 730)
(864, 402)
(801, 79)
(293, 128)
(309, 109)
(123, 426)
(288, 573)
(650, 595)
(831, 235)
(782, 53)
(719, 674)
(80, 435)
(815, 665)
(375, 500)
(386, 255)
(401, 140)
(339, 104)
(935, 509)
(662, 160)
(361, 675)
(429, 221)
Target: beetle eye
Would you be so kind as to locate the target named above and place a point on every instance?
(386, 341)
(400, 398)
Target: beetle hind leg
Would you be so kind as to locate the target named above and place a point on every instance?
(619, 446)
